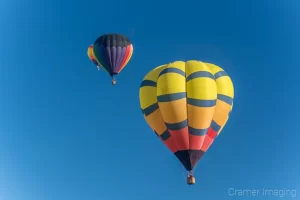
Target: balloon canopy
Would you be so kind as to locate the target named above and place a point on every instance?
(90, 53)
(187, 104)
(113, 52)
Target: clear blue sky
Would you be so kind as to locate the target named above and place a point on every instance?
(67, 134)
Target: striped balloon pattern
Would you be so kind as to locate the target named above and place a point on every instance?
(187, 104)
(113, 52)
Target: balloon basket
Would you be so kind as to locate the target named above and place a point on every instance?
(191, 180)
(114, 82)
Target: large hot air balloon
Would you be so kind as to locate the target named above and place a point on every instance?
(113, 51)
(91, 56)
(187, 104)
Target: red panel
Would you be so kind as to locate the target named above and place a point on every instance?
(180, 138)
(128, 49)
(170, 144)
(211, 134)
(196, 142)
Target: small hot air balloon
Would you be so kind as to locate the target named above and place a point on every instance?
(113, 52)
(91, 56)
(187, 104)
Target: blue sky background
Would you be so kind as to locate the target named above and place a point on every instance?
(66, 133)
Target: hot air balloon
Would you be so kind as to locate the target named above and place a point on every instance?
(91, 56)
(113, 52)
(187, 104)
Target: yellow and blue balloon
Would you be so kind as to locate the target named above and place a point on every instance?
(187, 104)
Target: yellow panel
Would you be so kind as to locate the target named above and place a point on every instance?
(174, 111)
(148, 97)
(168, 84)
(200, 118)
(222, 127)
(221, 112)
(156, 122)
(90, 52)
(153, 74)
(225, 86)
(203, 88)
(224, 83)
(148, 94)
(214, 68)
(171, 82)
(195, 66)
(177, 64)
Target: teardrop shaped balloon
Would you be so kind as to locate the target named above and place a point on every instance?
(113, 52)
(187, 104)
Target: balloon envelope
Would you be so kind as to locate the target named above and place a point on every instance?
(91, 55)
(187, 104)
(113, 52)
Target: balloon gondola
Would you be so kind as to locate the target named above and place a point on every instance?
(190, 178)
